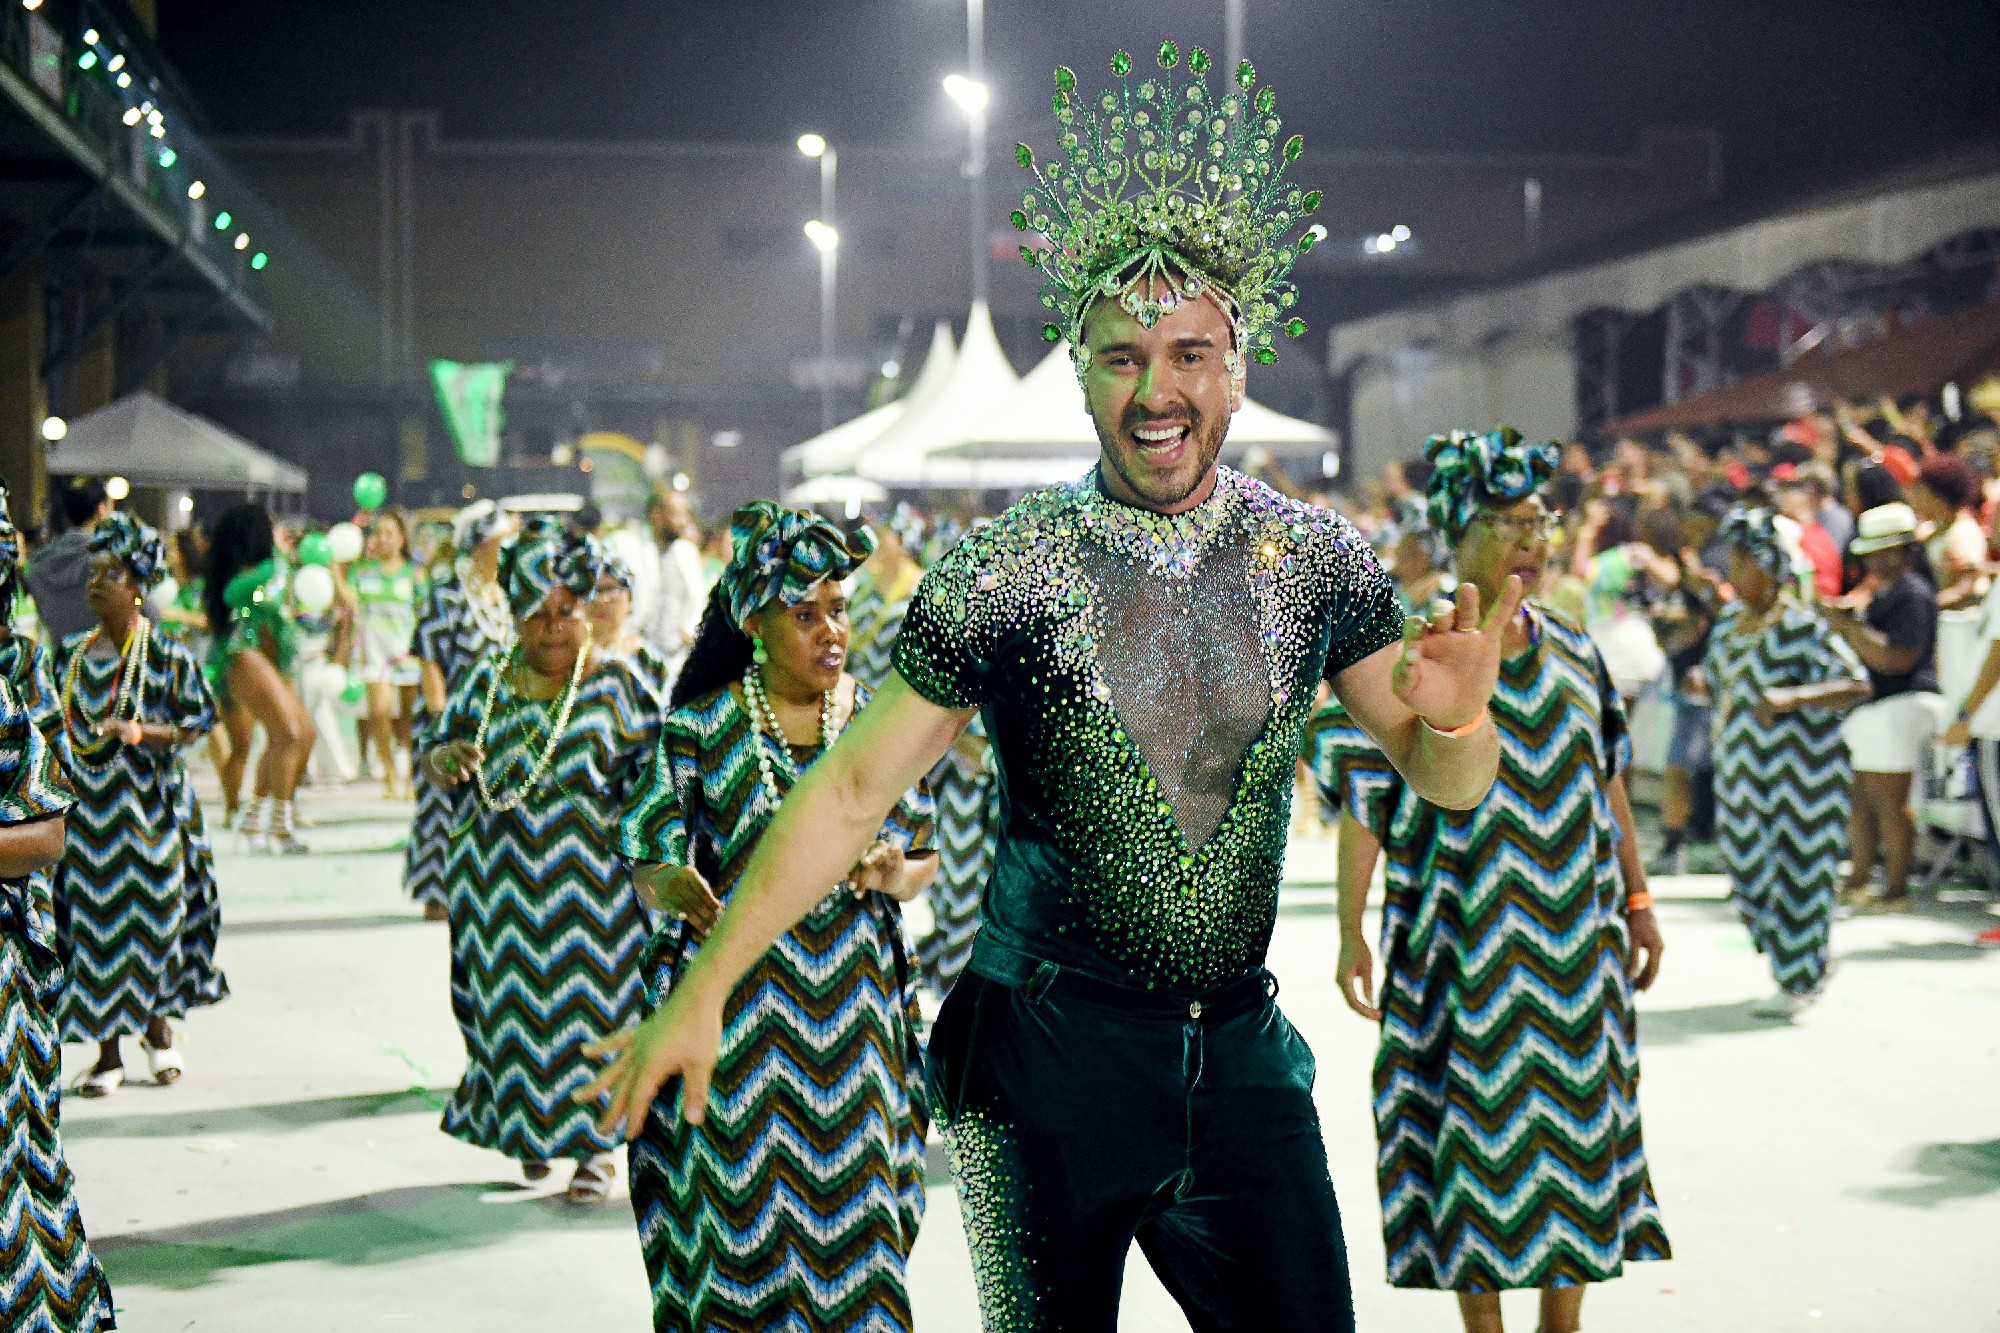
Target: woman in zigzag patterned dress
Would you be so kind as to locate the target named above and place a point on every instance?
(461, 619)
(1506, 1078)
(49, 1280)
(138, 877)
(541, 749)
(1781, 677)
(795, 1203)
(611, 626)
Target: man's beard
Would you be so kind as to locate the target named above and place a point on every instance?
(1204, 435)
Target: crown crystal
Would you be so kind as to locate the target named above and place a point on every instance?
(1159, 194)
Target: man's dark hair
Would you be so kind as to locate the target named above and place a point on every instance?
(81, 500)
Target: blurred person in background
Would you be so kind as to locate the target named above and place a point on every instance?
(1892, 628)
(1977, 724)
(462, 620)
(1780, 678)
(616, 633)
(1683, 621)
(254, 647)
(1797, 501)
(386, 587)
(60, 570)
(680, 588)
(1946, 495)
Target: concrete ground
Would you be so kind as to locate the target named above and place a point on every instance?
(1840, 1174)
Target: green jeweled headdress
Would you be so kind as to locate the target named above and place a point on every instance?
(1159, 179)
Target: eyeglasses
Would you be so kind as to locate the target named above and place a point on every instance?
(1523, 531)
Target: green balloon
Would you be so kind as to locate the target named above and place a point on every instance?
(315, 549)
(370, 490)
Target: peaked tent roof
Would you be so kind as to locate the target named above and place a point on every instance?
(835, 450)
(1917, 360)
(1046, 414)
(980, 380)
(150, 442)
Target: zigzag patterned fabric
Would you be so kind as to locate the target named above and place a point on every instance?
(968, 818)
(138, 876)
(874, 618)
(794, 1206)
(25, 669)
(655, 672)
(449, 638)
(1507, 1078)
(49, 1280)
(1781, 792)
(546, 927)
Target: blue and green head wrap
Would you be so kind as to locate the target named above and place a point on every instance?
(1770, 539)
(135, 544)
(10, 555)
(1471, 472)
(615, 568)
(548, 554)
(783, 554)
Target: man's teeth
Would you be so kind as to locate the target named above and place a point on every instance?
(1159, 434)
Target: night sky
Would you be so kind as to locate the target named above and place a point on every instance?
(1806, 93)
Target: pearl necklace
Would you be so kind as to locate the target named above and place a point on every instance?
(764, 718)
(129, 697)
(509, 800)
(489, 614)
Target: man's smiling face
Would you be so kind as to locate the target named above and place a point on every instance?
(1161, 399)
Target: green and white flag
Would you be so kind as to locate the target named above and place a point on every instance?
(469, 396)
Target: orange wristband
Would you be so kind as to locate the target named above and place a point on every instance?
(1457, 733)
(1639, 902)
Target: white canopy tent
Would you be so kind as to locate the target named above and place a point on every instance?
(980, 381)
(836, 488)
(1045, 416)
(150, 442)
(836, 450)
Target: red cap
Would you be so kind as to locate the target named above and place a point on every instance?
(1784, 472)
(1739, 476)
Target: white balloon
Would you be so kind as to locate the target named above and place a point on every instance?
(164, 592)
(312, 589)
(346, 541)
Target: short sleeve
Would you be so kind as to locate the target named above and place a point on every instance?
(1616, 731)
(1371, 618)
(640, 714)
(1354, 776)
(32, 786)
(433, 624)
(655, 826)
(38, 690)
(940, 650)
(191, 702)
(1906, 617)
(459, 720)
(1832, 659)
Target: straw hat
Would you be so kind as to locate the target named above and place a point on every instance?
(1882, 527)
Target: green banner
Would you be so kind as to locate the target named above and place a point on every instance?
(469, 395)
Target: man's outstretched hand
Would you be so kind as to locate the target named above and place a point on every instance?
(1451, 660)
(683, 1037)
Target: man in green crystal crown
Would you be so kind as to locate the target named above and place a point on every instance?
(1143, 645)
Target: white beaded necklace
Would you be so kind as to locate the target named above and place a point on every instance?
(508, 800)
(765, 718)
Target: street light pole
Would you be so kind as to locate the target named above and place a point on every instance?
(824, 232)
(975, 165)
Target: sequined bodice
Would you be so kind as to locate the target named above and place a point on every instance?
(1145, 681)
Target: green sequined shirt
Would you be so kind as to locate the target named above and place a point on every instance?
(1145, 680)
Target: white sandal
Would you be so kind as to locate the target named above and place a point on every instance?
(591, 1185)
(164, 1061)
(99, 1082)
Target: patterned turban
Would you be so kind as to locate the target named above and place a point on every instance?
(1473, 472)
(134, 543)
(472, 525)
(548, 554)
(1770, 539)
(783, 554)
(10, 554)
(613, 565)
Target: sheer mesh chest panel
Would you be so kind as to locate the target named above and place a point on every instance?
(1186, 671)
